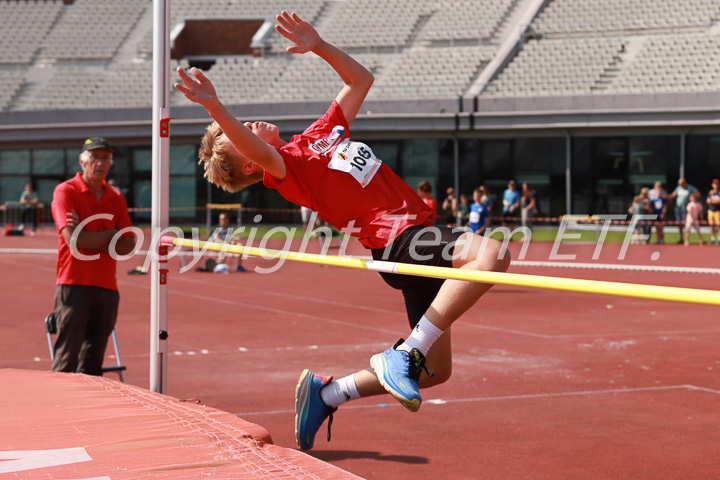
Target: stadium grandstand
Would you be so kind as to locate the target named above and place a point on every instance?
(587, 100)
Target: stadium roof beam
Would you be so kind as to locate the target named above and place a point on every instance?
(698, 110)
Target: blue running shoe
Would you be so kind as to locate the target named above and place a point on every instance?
(399, 372)
(310, 411)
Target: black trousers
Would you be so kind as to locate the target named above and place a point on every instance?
(29, 216)
(86, 317)
(419, 245)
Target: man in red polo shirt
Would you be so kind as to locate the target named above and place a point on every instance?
(86, 295)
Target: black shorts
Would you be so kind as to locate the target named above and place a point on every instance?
(436, 248)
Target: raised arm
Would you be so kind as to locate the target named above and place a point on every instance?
(201, 91)
(357, 78)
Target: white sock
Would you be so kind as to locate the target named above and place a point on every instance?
(339, 391)
(422, 337)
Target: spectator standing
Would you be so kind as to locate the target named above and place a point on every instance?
(449, 208)
(511, 203)
(658, 197)
(487, 198)
(692, 220)
(425, 190)
(713, 203)
(681, 195)
(636, 208)
(647, 209)
(86, 294)
(306, 214)
(29, 200)
(464, 208)
(479, 217)
(528, 205)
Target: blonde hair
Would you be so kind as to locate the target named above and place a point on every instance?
(222, 167)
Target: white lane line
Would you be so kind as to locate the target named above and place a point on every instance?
(28, 251)
(517, 263)
(279, 311)
(588, 335)
(615, 266)
(304, 298)
(445, 401)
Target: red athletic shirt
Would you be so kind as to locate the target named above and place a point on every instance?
(74, 194)
(344, 182)
(430, 202)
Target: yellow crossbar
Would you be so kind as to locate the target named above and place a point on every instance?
(631, 290)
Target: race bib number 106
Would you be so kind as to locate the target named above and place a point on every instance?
(357, 159)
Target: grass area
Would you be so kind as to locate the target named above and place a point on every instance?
(549, 234)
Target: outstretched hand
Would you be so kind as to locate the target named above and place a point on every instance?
(199, 89)
(298, 31)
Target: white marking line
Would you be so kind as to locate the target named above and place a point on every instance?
(272, 310)
(191, 352)
(279, 311)
(588, 335)
(517, 263)
(613, 266)
(343, 347)
(304, 298)
(583, 393)
(36, 251)
(366, 347)
(444, 401)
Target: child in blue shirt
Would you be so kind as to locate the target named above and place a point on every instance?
(479, 218)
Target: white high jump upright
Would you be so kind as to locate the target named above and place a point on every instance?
(160, 191)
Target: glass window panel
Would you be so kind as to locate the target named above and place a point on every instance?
(11, 188)
(15, 162)
(652, 156)
(420, 157)
(142, 198)
(714, 153)
(470, 175)
(48, 162)
(612, 190)
(582, 179)
(610, 158)
(183, 159)
(540, 162)
(533, 155)
(120, 170)
(45, 189)
(387, 152)
(72, 161)
(496, 162)
(182, 194)
(446, 168)
(142, 160)
(702, 163)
